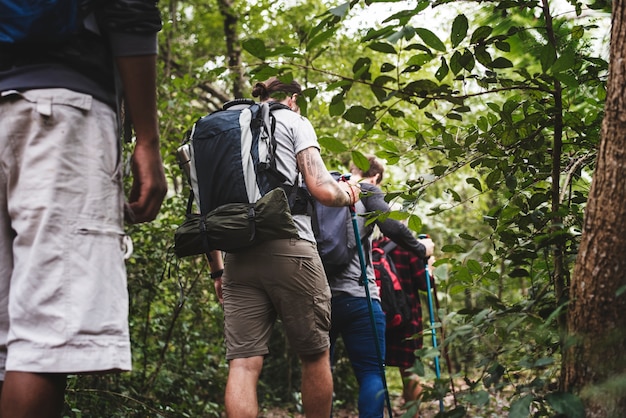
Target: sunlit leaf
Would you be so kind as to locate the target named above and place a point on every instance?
(430, 39)
(255, 46)
(360, 160)
(332, 144)
(341, 10)
(459, 30)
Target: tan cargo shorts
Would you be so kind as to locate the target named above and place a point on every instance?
(63, 294)
(280, 278)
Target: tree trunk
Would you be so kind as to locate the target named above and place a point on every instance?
(594, 364)
(233, 46)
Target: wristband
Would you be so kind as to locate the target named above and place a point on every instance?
(349, 197)
(217, 274)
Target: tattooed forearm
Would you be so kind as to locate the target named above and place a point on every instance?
(311, 166)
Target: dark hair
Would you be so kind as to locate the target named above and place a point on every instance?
(275, 89)
(376, 167)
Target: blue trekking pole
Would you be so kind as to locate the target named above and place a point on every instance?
(364, 282)
(431, 314)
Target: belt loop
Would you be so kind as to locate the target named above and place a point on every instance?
(44, 106)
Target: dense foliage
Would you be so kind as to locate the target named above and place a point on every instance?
(488, 116)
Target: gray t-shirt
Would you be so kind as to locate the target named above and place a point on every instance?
(294, 133)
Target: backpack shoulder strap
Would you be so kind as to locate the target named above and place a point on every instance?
(389, 246)
(277, 105)
(238, 102)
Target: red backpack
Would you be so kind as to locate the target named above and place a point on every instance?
(395, 302)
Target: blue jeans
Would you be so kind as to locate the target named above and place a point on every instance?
(350, 318)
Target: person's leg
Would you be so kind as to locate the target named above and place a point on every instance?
(248, 320)
(32, 395)
(241, 396)
(301, 295)
(60, 242)
(317, 385)
(411, 388)
(360, 345)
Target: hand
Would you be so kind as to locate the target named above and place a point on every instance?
(431, 268)
(352, 190)
(149, 184)
(429, 244)
(217, 283)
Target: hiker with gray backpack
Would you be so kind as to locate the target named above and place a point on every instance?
(64, 66)
(265, 278)
(357, 316)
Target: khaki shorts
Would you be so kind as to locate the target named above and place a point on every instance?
(283, 278)
(63, 295)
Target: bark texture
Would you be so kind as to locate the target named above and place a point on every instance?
(594, 364)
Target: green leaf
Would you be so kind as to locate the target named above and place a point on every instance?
(455, 62)
(439, 170)
(474, 266)
(459, 30)
(341, 10)
(492, 178)
(455, 196)
(442, 72)
(256, 47)
(360, 160)
(564, 62)
(482, 123)
(482, 56)
(264, 72)
(319, 39)
(567, 79)
(481, 34)
(361, 68)
(421, 87)
(467, 60)
(467, 236)
(520, 408)
(430, 39)
(474, 182)
(415, 223)
(452, 248)
(337, 106)
(386, 67)
(566, 404)
(358, 114)
(519, 272)
(382, 47)
(419, 59)
(547, 57)
(577, 32)
(332, 144)
(503, 46)
(501, 62)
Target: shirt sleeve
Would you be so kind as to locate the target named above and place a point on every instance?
(374, 201)
(132, 26)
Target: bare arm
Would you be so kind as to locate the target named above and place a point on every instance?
(138, 75)
(216, 264)
(321, 184)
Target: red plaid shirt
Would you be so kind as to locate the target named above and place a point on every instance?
(402, 343)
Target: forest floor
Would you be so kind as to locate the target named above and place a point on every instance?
(497, 408)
